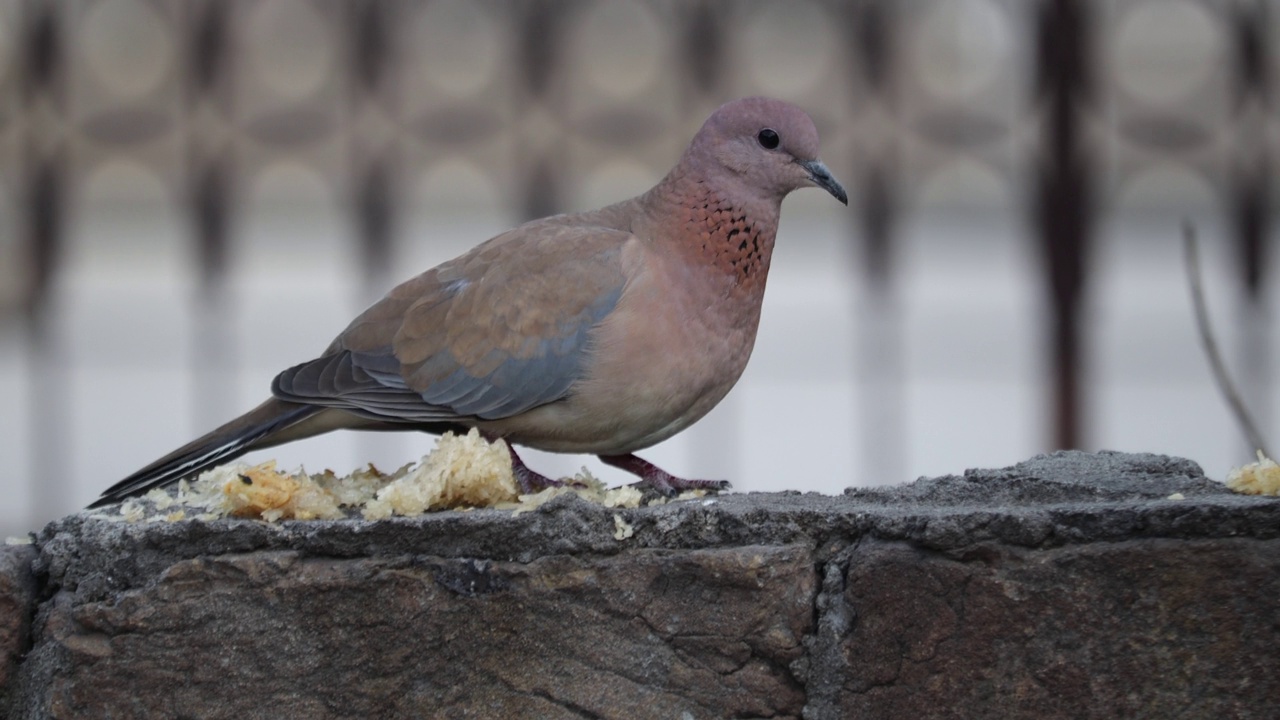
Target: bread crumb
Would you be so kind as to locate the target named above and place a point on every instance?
(357, 488)
(1260, 478)
(265, 492)
(621, 528)
(161, 499)
(462, 472)
(533, 501)
(586, 486)
(466, 471)
(626, 496)
(11, 540)
(1176, 496)
(132, 510)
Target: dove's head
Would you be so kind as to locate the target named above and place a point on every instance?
(767, 146)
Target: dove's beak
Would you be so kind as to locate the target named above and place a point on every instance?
(821, 177)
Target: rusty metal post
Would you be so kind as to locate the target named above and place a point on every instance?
(871, 31)
(208, 104)
(541, 35)
(1064, 204)
(44, 197)
(1249, 189)
(373, 173)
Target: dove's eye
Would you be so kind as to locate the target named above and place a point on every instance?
(768, 139)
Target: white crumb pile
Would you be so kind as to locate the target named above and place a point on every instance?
(1260, 478)
(463, 471)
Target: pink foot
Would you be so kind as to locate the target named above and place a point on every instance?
(660, 480)
(531, 481)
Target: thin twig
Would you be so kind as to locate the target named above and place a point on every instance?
(1225, 385)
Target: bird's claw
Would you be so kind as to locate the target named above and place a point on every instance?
(668, 485)
(531, 481)
(660, 481)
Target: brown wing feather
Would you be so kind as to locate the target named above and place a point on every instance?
(497, 331)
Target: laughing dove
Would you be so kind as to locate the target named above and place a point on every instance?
(602, 332)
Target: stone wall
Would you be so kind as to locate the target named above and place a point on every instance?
(1069, 586)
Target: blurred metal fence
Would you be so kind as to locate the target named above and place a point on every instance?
(524, 108)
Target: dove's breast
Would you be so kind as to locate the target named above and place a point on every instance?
(674, 346)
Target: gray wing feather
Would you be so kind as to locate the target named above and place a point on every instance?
(373, 382)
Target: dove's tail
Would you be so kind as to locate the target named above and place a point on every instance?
(261, 427)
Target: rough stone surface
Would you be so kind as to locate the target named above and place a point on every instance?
(1130, 629)
(17, 601)
(272, 632)
(1067, 586)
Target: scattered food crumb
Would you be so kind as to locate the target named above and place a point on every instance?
(1177, 496)
(132, 510)
(584, 485)
(11, 540)
(161, 499)
(625, 496)
(265, 492)
(1260, 478)
(463, 472)
(621, 528)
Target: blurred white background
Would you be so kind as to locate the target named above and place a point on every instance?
(231, 182)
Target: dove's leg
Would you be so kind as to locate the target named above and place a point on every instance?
(531, 481)
(655, 477)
